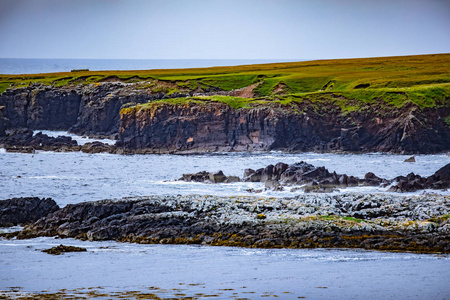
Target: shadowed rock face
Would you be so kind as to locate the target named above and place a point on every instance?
(22, 211)
(213, 126)
(218, 127)
(306, 221)
(41, 107)
(82, 109)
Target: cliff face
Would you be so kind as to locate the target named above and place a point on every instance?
(218, 127)
(39, 107)
(92, 109)
(205, 125)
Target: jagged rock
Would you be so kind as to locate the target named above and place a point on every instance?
(23, 140)
(371, 179)
(412, 182)
(219, 127)
(26, 210)
(298, 174)
(410, 159)
(217, 177)
(304, 221)
(202, 176)
(207, 177)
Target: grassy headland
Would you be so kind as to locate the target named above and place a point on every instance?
(348, 83)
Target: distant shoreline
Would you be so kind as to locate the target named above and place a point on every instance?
(16, 66)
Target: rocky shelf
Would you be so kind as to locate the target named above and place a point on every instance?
(352, 220)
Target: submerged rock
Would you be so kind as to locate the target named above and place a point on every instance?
(57, 250)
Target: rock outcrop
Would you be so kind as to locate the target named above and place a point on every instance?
(319, 179)
(383, 222)
(108, 109)
(24, 140)
(21, 211)
(413, 182)
(213, 126)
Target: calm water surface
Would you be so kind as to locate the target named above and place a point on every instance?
(252, 273)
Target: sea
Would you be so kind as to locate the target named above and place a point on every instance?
(39, 65)
(179, 271)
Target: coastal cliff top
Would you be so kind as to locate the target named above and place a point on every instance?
(422, 79)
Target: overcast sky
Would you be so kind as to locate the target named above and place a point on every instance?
(222, 29)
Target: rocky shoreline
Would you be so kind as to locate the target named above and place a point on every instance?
(352, 220)
(147, 121)
(319, 180)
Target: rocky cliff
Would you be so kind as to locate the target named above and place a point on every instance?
(214, 126)
(149, 121)
(91, 109)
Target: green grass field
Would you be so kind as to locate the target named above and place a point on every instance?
(348, 83)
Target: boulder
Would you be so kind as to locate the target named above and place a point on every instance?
(410, 159)
(217, 177)
(97, 147)
(20, 211)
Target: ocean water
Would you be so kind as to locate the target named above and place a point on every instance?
(202, 271)
(227, 272)
(34, 66)
(76, 177)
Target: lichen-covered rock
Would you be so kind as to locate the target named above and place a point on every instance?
(385, 222)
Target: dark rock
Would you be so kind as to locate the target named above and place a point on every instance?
(443, 174)
(371, 179)
(224, 221)
(256, 176)
(23, 140)
(412, 182)
(231, 179)
(219, 127)
(63, 249)
(97, 147)
(202, 176)
(97, 109)
(248, 172)
(26, 210)
(217, 177)
(410, 159)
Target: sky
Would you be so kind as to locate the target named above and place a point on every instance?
(222, 29)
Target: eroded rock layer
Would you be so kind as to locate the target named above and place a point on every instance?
(384, 222)
(194, 127)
